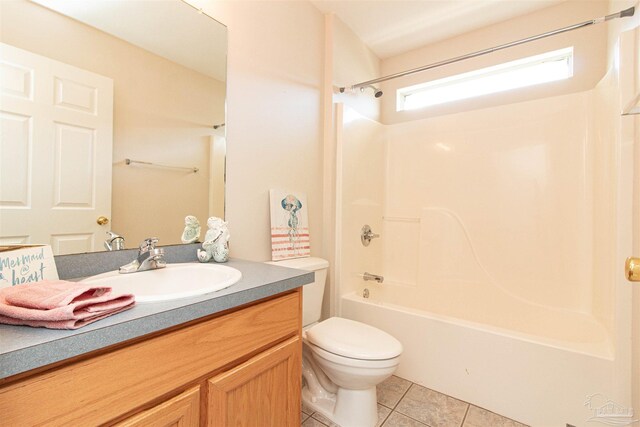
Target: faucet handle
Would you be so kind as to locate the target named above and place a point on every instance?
(366, 235)
(114, 242)
(148, 244)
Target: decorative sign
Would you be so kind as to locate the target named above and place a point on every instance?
(289, 225)
(26, 264)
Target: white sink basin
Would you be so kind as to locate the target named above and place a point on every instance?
(172, 282)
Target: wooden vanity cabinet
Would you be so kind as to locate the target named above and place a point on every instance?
(258, 392)
(241, 367)
(182, 410)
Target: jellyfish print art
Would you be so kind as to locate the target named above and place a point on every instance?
(292, 205)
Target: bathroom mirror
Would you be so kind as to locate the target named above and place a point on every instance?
(113, 117)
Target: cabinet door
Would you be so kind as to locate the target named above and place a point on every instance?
(181, 411)
(264, 391)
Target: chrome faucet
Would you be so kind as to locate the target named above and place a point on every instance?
(114, 242)
(368, 276)
(149, 258)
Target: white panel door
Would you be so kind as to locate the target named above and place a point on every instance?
(56, 135)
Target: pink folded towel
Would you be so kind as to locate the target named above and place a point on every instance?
(50, 294)
(59, 304)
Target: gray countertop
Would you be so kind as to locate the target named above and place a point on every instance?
(23, 348)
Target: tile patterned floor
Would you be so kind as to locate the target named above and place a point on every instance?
(402, 403)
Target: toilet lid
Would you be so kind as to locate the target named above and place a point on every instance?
(353, 339)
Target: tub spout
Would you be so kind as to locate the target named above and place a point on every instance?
(368, 276)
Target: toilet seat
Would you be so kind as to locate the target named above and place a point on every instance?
(343, 338)
(351, 362)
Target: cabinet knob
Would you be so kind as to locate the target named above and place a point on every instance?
(632, 269)
(102, 220)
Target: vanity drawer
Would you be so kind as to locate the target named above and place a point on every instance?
(117, 383)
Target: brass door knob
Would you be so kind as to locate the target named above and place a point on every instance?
(632, 269)
(102, 220)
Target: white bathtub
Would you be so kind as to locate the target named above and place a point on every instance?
(534, 374)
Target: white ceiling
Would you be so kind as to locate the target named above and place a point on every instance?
(391, 27)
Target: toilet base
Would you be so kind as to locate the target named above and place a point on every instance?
(347, 408)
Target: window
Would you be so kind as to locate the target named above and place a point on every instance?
(547, 67)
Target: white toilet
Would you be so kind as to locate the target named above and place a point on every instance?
(343, 360)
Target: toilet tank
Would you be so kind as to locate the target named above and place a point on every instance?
(312, 293)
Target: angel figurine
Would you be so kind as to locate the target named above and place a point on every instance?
(191, 231)
(216, 242)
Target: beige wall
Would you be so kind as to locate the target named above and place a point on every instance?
(218, 155)
(354, 62)
(163, 113)
(274, 129)
(589, 58)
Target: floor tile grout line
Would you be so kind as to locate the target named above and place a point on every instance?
(387, 417)
(400, 412)
(411, 418)
(403, 394)
(318, 421)
(492, 412)
(392, 409)
(324, 418)
(414, 419)
(452, 397)
(469, 404)
(405, 415)
(495, 413)
(465, 414)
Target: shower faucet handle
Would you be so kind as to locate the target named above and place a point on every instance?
(366, 235)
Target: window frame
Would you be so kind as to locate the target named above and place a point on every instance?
(565, 55)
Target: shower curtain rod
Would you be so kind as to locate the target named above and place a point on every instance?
(622, 14)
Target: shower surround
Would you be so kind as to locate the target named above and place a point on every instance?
(498, 248)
